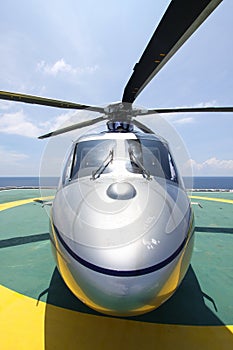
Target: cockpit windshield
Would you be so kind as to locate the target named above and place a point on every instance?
(89, 157)
(147, 156)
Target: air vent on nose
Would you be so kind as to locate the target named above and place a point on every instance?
(121, 190)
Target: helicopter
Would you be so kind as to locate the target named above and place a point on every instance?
(121, 223)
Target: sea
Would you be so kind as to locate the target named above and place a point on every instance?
(28, 182)
(198, 182)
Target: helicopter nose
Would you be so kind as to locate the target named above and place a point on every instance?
(121, 191)
(120, 254)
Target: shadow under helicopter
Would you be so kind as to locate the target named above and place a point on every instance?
(185, 307)
(15, 241)
(228, 230)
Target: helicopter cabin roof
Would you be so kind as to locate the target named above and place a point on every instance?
(106, 135)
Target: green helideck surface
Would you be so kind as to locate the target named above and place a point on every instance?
(205, 297)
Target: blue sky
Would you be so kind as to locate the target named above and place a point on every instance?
(81, 52)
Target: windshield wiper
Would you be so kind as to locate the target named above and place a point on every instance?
(96, 174)
(133, 158)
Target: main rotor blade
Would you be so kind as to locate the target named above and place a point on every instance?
(142, 127)
(72, 127)
(188, 110)
(179, 22)
(13, 96)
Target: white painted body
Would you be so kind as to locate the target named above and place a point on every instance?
(122, 241)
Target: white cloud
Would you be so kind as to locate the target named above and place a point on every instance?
(57, 122)
(212, 103)
(62, 120)
(14, 163)
(212, 166)
(9, 156)
(18, 124)
(176, 117)
(219, 164)
(61, 66)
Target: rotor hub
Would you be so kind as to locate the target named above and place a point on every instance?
(120, 126)
(119, 111)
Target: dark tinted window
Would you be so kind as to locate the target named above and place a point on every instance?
(89, 155)
(154, 156)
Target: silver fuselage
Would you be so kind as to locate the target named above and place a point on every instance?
(121, 230)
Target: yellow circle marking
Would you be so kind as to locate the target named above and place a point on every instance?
(223, 200)
(26, 324)
(13, 204)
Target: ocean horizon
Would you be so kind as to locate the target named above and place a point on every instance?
(197, 182)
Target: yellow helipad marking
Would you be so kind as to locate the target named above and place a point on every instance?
(223, 200)
(13, 204)
(21, 321)
(26, 326)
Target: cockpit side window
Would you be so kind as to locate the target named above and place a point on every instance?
(173, 171)
(154, 156)
(67, 167)
(135, 147)
(89, 155)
